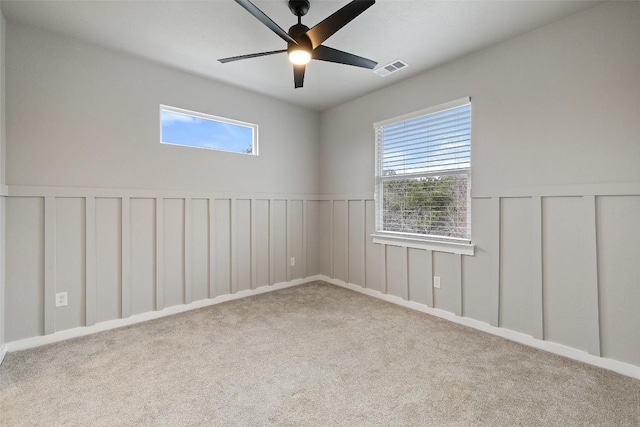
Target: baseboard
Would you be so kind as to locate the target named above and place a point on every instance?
(143, 317)
(623, 368)
(559, 349)
(3, 352)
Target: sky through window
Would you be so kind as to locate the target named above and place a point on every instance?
(189, 130)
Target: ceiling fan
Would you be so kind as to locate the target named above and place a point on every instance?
(304, 44)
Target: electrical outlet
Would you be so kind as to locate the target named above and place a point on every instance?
(61, 299)
(292, 261)
(436, 282)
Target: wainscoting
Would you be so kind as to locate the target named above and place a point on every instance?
(558, 265)
(555, 268)
(121, 253)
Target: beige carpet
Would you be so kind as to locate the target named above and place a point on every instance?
(313, 355)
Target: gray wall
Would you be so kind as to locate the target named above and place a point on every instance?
(100, 209)
(556, 186)
(2, 179)
(83, 116)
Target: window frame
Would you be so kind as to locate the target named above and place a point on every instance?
(211, 117)
(454, 245)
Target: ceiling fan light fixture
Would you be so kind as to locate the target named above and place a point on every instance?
(299, 56)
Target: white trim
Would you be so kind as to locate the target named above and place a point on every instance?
(577, 190)
(139, 318)
(149, 193)
(559, 349)
(436, 108)
(569, 190)
(463, 247)
(210, 117)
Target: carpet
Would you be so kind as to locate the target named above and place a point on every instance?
(311, 355)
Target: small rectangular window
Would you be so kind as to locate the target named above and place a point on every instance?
(199, 130)
(423, 173)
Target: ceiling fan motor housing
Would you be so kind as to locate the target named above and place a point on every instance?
(299, 7)
(298, 33)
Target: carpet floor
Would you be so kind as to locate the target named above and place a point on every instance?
(312, 355)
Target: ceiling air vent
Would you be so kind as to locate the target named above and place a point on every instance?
(392, 67)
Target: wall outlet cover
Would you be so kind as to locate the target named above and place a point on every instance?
(61, 299)
(436, 282)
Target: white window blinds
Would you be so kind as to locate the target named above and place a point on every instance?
(423, 163)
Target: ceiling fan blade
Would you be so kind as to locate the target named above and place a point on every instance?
(339, 19)
(298, 75)
(260, 15)
(324, 53)
(251, 55)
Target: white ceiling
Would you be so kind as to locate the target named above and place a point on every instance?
(192, 35)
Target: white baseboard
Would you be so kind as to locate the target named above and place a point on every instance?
(562, 350)
(143, 317)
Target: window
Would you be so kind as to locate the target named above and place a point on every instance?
(192, 129)
(423, 178)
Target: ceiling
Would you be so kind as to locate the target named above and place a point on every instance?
(192, 35)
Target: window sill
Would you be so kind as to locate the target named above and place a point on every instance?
(450, 246)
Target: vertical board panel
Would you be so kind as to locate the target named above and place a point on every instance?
(70, 262)
(223, 246)
(305, 237)
(173, 256)
(233, 264)
(24, 292)
(537, 310)
(374, 253)
(397, 272)
(108, 260)
(325, 237)
(444, 266)
(314, 238)
(50, 211)
(339, 239)
(288, 231)
(297, 271)
(143, 258)
(477, 285)
(91, 274)
(591, 273)
(262, 242)
(279, 237)
(619, 277)
(199, 249)
(159, 253)
(419, 276)
(186, 253)
(243, 244)
(565, 300)
(254, 263)
(515, 261)
(125, 304)
(356, 242)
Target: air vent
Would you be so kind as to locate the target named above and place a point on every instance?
(392, 67)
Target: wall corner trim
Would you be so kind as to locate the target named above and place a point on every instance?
(551, 347)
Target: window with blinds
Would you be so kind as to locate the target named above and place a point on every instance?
(423, 172)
